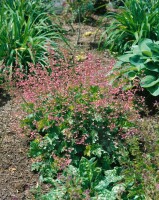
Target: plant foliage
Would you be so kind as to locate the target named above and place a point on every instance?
(141, 63)
(135, 20)
(26, 32)
(77, 119)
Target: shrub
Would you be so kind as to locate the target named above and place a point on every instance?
(81, 8)
(141, 63)
(135, 20)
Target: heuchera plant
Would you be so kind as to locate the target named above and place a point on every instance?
(73, 112)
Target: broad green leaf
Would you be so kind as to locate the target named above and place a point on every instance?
(136, 50)
(131, 75)
(154, 47)
(148, 81)
(136, 60)
(154, 90)
(147, 53)
(125, 58)
(152, 66)
(143, 45)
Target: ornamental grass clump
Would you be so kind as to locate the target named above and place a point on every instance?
(26, 32)
(134, 21)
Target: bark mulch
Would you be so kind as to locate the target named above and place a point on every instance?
(16, 178)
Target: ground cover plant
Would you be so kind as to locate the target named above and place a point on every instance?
(78, 123)
(88, 139)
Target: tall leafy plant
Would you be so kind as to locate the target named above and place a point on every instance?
(26, 31)
(135, 20)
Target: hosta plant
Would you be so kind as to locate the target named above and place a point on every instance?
(142, 64)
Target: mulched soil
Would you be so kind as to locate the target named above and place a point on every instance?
(16, 177)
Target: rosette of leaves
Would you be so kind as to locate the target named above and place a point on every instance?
(142, 63)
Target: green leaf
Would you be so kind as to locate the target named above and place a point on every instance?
(131, 75)
(154, 90)
(125, 58)
(87, 151)
(154, 47)
(143, 45)
(136, 60)
(136, 50)
(148, 81)
(152, 66)
(147, 53)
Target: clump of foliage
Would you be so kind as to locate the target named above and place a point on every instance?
(141, 168)
(26, 32)
(135, 20)
(74, 182)
(75, 116)
(140, 63)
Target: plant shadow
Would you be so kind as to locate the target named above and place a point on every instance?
(4, 97)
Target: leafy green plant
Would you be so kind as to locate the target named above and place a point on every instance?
(140, 170)
(77, 118)
(135, 20)
(141, 63)
(26, 32)
(86, 182)
(81, 8)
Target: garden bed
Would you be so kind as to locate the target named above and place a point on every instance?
(82, 136)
